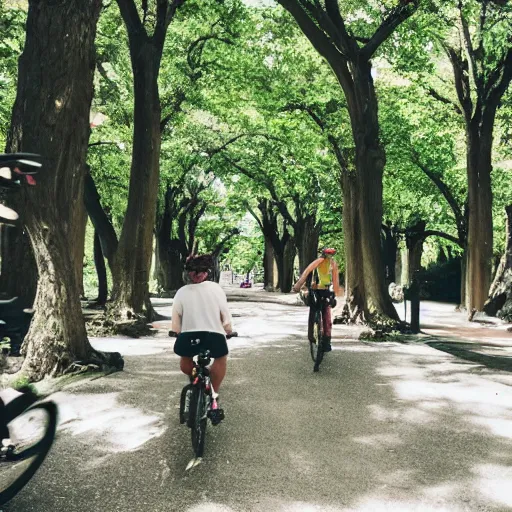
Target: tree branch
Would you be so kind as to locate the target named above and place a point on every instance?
(501, 84)
(223, 242)
(331, 231)
(462, 85)
(442, 234)
(130, 16)
(254, 214)
(447, 194)
(396, 16)
(444, 100)
(179, 98)
(318, 38)
(99, 219)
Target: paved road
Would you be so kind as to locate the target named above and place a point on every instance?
(381, 427)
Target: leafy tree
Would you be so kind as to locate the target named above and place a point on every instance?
(474, 38)
(349, 49)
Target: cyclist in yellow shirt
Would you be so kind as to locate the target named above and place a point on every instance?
(324, 270)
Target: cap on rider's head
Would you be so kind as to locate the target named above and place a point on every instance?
(328, 251)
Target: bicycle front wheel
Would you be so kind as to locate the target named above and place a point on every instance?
(198, 408)
(32, 434)
(316, 348)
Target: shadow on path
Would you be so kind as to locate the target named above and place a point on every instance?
(468, 353)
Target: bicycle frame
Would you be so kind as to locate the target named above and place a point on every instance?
(201, 372)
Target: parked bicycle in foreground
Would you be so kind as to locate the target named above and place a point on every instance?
(27, 429)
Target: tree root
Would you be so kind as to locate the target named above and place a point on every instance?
(383, 328)
(110, 323)
(99, 362)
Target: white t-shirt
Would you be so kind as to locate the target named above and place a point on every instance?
(201, 307)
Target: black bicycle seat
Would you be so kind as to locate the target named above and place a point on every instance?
(25, 163)
(8, 302)
(7, 215)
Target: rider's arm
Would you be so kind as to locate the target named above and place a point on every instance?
(225, 314)
(298, 285)
(177, 313)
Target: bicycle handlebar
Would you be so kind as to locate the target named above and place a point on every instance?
(234, 334)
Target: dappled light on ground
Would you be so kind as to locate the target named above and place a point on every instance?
(382, 427)
(452, 407)
(101, 421)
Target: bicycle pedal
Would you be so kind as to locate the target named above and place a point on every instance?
(216, 416)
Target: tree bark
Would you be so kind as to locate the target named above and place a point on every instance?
(307, 236)
(389, 249)
(268, 266)
(463, 278)
(285, 266)
(100, 220)
(19, 270)
(80, 221)
(51, 117)
(101, 270)
(370, 160)
(354, 283)
(500, 294)
(414, 242)
(480, 225)
(132, 261)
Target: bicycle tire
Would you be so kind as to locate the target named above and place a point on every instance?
(40, 450)
(316, 347)
(198, 431)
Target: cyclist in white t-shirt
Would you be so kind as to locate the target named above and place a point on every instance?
(201, 319)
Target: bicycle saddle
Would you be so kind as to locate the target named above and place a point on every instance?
(22, 163)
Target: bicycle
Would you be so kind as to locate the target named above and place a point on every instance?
(27, 432)
(318, 300)
(198, 401)
(27, 429)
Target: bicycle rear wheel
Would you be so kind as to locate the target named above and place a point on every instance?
(316, 348)
(198, 409)
(32, 434)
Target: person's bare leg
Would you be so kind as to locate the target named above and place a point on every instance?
(186, 365)
(218, 372)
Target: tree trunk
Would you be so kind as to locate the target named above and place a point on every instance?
(355, 305)
(370, 159)
(51, 117)
(366, 189)
(404, 256)
(132, 263)
(268, 266)
(102, 225)
(80, 221)
(307, 235)
(288, 260)
(398, 266)
(414, 242)
(171, 266)
(101, 270)
(480, 226)
(463, 278)
(19, 270)
(389, 249)
(500, 294)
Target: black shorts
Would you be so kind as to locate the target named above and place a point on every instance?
(189, 344)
